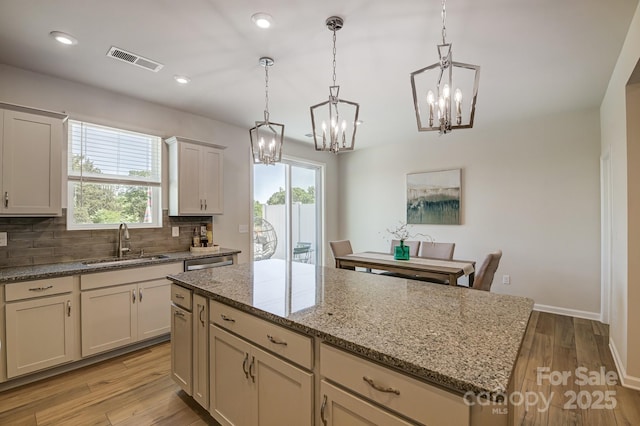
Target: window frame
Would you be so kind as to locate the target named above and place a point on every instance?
(75, 179)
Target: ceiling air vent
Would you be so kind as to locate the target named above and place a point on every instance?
(132, 58)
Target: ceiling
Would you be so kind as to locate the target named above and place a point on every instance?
(537, 57)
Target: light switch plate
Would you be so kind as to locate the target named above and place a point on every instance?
(3, 239)
(175, 231)
(506, 280)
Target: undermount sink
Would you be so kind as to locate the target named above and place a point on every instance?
(124, 260)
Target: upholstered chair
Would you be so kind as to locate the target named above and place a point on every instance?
(341, 248)
(436, 250)
(413, 246)
(484, 276)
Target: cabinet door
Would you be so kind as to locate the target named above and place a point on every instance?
(181, 347)
(31, 164)
(340, 408)
(211, 177)
(232, 393)
(190, 199)
(40, 333)
(154, 315)
(201, 350)
(284, 392)
(109, 318)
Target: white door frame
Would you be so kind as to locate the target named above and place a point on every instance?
(606, 233)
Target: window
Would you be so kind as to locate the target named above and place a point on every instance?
(114, 177)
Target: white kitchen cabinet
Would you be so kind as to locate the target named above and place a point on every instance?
(341, 408)
(41, 323)
(31, 161)
(195, 178)
(181, 348)
(122, 307)
(3, 340)
(249, 386)
(201, 350)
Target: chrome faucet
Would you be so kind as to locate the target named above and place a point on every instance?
(121, 249)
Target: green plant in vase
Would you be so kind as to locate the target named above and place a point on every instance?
(401, 232)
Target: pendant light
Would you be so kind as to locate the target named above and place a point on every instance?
(334, 121)
(434, 97)
(266, 137)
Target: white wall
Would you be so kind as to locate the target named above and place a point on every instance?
(99, 106)
(624, 337)
(530, 188)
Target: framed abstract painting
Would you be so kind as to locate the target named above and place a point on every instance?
(434, 197)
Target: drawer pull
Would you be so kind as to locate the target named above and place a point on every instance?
(178, 313)
(41, 288)
(378, 387)
(276, 340)
(200, 315)
(179, 296)
(226, 318)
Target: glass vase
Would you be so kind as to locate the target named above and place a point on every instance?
(401, 252)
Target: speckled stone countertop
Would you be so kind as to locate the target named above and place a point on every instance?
(37, 272)
(462, 339)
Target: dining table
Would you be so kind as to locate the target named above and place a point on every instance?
(414, 267)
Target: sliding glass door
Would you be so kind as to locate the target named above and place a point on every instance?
(287, 206)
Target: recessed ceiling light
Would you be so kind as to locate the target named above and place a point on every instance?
(182, 79)
(262, 20)
(64, 38)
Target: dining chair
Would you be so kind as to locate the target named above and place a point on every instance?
(341, 248)
(484, 277)
(413, 246)
(436, 250)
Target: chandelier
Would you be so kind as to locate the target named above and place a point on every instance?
(266, 137)
(335, 120)
(438, 106)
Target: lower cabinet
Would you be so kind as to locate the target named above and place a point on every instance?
(40, 328)
(340, 408)
(181, 348)
(125, 306)
(201, 350)
(247, 384)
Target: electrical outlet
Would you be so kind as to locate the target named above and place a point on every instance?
(506, 280)
(3, 239)
(175, 231)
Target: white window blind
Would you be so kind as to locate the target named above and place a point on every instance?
(114, 176)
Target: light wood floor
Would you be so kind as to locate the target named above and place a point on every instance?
(136, 389)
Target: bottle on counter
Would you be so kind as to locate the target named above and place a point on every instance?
(203, 236)
(196, 238)
(210, 234)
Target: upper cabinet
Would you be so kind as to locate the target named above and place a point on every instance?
(31, 161)
(195, 177)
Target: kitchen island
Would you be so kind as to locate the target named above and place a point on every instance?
(451, 341)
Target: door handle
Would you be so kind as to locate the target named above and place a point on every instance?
(68, 308)
(140, 295)
(133, 296)
(244, 365)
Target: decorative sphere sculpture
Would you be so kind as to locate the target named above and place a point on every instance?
(265, 239)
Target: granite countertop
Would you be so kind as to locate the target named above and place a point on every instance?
(36, 272)
(462, 339)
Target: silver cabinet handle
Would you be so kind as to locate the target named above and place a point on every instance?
(140, 295)
(276, 340)
(133, 296)
(205, 204)
(6, 199)
(244, 365)
(202, 319)
(200, 204)
(251, 367)
(322, 408)
(41, 288)
(226, 318)
(68, 308)
(179, 314)
(179, 296)
(378, 387)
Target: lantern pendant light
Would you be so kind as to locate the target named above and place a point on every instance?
(266, 137)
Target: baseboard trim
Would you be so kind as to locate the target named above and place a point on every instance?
(627, 381)
(595, 316)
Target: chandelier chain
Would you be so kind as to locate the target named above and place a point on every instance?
(334, 55)
(266, 92)
(444, 27)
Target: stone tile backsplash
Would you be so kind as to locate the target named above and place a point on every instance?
(42, 240)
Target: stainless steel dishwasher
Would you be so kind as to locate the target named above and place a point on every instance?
(207, 262)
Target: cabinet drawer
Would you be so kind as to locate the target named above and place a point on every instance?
(402, 394)
(128, 275)
(38, 288)
(279, 340)
(181, 296)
